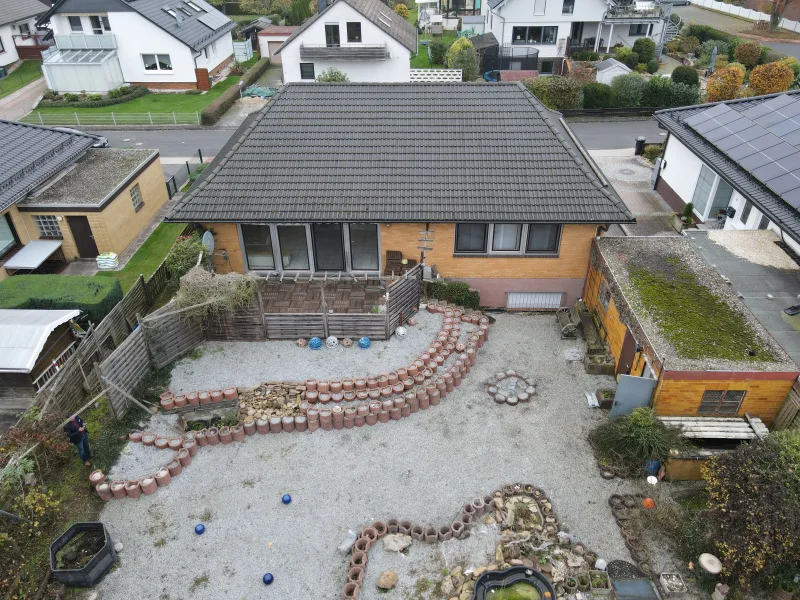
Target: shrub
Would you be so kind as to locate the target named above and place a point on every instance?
(597, 95)
(622, 53)
(628, 90)
(72, 97)
(334, 75)
(194, 92)
(455, 292)
(652, 152)
(632, 60)
(740, 66)
(681, 94)
(628, 441)
(656, 92)
(114, 93)
(673, 46)
(706, 32)
(118, 96)
(184, 253)
(652, 66)
(690, 44)
(402, 10)
(462, 55)
(687, 75)
(556, 92)
(539, 87)
(645, 48)
(793, 64)
(586, 56)
(641, 68)
(771, 78)
(438, 51)
(94, 97)
(748, 53)
(745, 92)
(94, 295)
(214, 111)
(723, 84)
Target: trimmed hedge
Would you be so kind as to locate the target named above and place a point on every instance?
(706, 32)
(455, 292)
(685, 74)
(597, 95)
(94, 295)
(138, 91)
(586, 56)
(214, 111)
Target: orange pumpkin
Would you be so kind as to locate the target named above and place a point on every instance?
(649, 503)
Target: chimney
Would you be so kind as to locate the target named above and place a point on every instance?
(178, 17)
(321, 5)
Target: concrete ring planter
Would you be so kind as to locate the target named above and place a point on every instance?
(163, 477)
(362, 545)
(133, 489)
(237, 433)
(118, 489)
(183, 457)
(225, 436)
(175, 443)
(418, 533)
(355, 574)
(175, 468)
(161, 443)
(149, 439)
(351, 589)
(358, 559)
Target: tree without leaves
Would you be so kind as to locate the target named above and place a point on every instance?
(776, 9)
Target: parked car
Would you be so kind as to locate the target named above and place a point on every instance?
(102, 142)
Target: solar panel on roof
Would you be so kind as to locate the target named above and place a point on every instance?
(792, 197)
(214, 20)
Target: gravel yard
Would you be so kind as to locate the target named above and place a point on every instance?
(423, 468)
(754, 246)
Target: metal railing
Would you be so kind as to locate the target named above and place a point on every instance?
(344, 52)
(42, 380)
(78, 41)
(22, 40)
(112, 118)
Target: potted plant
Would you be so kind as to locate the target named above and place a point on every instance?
(545, 565)
(600, 583)
(570, 585)
(583, 582)
(687, 219)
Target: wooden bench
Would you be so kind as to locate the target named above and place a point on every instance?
(568, 321)
(719, 428)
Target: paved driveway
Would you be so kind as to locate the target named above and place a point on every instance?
(15, 106)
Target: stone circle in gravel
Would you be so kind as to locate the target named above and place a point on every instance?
(510, 387)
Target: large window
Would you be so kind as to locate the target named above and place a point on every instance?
(506, 237)
(638, 29)
(99, 24)
(75, 24)
(748, 207)
(24, 29)
(48, 226)
(157, 62)
(136, 198)
(568, 7)
(534, 35)
(354, 32)
(471, 237)
(702, 192)
(294, 247)
(258, 247)
(364, 246)
(539, 7)
(328, 246)
(332, 35)
(543, 238)
(721, 402)
(307, 71)
(712, 194)
(8, 238)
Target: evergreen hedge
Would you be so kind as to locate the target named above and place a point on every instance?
(137, 92)
(214, 111)
(455, 292)
(93, 295)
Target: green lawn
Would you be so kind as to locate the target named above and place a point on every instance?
(29, 70)
(420, 61)
(413, 15)
(161, 103)
(149, 256)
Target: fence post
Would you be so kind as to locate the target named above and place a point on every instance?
(197, 116)
(200, 154)
(146, 293)
(41, 121)
(174, 118)
(77, 120)
(150, 115)
(188, 170)
(113, 118)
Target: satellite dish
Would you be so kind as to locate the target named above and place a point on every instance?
(208, 242)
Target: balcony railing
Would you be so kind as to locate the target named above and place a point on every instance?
(630, 13)
(79, 41)
(32, 39)
(354, 52)
(42, 380)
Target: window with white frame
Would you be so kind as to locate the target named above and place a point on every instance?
(539, 239)
(24, 29)
(48, 226)
(638, 29)
(539, 7)
(157, 62)
(136, 198)
(99, 24)
(75, 24)
(712, 194)
(721, 402)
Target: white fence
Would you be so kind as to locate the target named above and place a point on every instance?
(435, 75)
(243, 51)
(112, 118)
(745, 13)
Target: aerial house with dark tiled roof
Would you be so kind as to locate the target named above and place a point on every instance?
(481, 182)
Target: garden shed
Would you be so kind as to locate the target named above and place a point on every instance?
(668, 316)
(609, 69)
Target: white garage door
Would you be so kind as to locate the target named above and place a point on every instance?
(534, 300)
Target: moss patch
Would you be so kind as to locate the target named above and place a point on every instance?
(693, 319)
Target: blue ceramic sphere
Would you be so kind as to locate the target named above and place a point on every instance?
(315, 343)
(286, 499)
(363, 342)
(199, 529)
(268, 578)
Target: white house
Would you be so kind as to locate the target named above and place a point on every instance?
(363, 38)
(160, 44)
(556, 28)
(19, 38)
(610, 68)
(270, 39)
(737, 162)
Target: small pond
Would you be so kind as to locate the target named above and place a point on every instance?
(522, 590)
(516, 583)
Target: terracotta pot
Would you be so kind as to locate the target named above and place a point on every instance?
(275, 425)
(375, 407)
(133, 489)
(149, 439)
(383, 381)
(225, 436)
(413, 369)
(177, 402)
(392, 525)
(200, 437)
(351, 590)
(168, 402)
(161, 443)
(402, 373)
(362, 410)
(175, 443)
(312, 414)
(398, 388)
(104, 491)
(408, 383)
(358, 559)
(135, 435)
(433, 366)
(405, 410)
(349, 396)
(324, 397)
(184, 457)
(262, 426)
(323, 386)
(118, 489)
(336, 387)
(427, 373)
(458, 529)
(347, 385)
(371, 419)
(287, 424)
(393, 379)
(313, 426)
(355, 574)
(395, 414)
(418, 533)
(163, 477)
(359, 420)
(212, 435)
(448, 382)
(237, 432)
(424, 402)
(361, 384)
(399, 402)
(362, 395)
(387, 405)
(96, 477)
(311, 385)
(405, 527)
(250, 427)
(191, 446)
(383, 416)
(441, 385)
(325, 416)
(386, 392)
(217, 396)
(312, 396)
(230, 393)
(175, 468)
(148, 485)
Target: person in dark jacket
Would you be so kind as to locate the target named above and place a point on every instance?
(78, 435)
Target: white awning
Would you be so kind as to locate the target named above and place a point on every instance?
(23, 334)
(33, 254)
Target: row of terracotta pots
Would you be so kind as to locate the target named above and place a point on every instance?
(162, 442)
(211, 436)
(170, 400)
(147, 485)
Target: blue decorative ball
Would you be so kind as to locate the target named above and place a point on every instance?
(315, 343)
(199, 529)
(363, 342)
(286, 499)
(268, 578)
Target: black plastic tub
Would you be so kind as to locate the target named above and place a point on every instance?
(500, 579)
(95, 569)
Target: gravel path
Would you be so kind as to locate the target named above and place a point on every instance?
(138, 460)
(754, 246)
(423, 468)
(246, 364)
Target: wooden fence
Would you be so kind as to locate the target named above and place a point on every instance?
(169, 335)
(246, 324)
(404, 297)
(789, 415)
(124, 369)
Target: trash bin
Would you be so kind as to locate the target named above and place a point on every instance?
(640, 145)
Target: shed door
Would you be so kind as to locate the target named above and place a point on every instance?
(632, 392)
(627, 354)
(271, 47)
(82, 234)
(534, 300)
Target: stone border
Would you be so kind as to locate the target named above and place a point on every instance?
(493, 383)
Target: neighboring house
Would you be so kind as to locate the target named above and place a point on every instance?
(691, 374)
(610, 68)
(365, 39)
(61, 200)
(19, 38)
(170, 45)
(739, 159)
(551, 30)
(251, 30)
(271, 38)
(34, 345)
(332, 177)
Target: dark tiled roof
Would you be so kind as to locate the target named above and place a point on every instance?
(378, 14)
(277, 30)
(403, 152)
(483, 41)
(192, 30)
(30, 155)
(768, 202)
(16, 10)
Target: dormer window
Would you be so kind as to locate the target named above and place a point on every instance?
(354, 33)
(194, 6)
(169, 11)
(185, 11)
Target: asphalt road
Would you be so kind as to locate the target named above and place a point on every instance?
(701, 16)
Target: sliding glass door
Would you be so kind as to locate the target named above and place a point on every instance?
(364, 253)
(257, 242)
(328, 246)
(293, 242)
